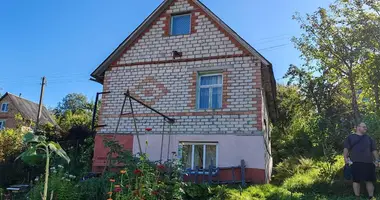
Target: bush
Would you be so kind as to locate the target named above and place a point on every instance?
(93, 188)
(61, 185)
(259, 192)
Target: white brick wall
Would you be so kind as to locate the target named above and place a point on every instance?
(207, 41)
(168, 87)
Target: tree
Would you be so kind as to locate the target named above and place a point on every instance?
(74, 110)
(331, 44)
(37, 146)
(73, 102)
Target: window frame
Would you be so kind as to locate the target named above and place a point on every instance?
(198, 95)
(205, 144)
(172, 21)
(1, 108)
(2, 124)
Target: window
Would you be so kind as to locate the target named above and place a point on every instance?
(181, 24)
(210, 91)
(2, 124)
(199, 155)
(4, 107)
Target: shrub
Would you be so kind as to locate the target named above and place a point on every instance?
(61, 185)
(260, 192)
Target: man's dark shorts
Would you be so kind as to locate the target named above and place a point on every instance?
(363, 172)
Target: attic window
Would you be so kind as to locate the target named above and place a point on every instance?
(181, 24)
(4, 107)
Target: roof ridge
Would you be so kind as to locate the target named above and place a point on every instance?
(23, 98)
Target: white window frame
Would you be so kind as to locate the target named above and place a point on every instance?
(204, 152)
(172, 21)
(199, 86)
(2, 124)
(4, 111)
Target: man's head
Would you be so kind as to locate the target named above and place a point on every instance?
(361, 128)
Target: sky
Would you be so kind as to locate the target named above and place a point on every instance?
(65, 40)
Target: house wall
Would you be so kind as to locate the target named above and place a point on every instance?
(9, 116)
(149, 71)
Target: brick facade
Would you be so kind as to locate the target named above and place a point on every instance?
(9, 117)
(147, 68)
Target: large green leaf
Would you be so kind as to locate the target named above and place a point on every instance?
(32, 138)
(56, 148)
(31, 156)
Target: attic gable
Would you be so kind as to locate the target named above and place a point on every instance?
(206, 39)
(159, 21)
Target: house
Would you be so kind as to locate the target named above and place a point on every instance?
(186, 62)
(11, 105)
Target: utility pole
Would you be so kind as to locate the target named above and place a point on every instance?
(40, 104)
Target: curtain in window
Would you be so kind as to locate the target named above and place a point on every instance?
(186, 156)
(198, 156)
(181, 25)
(211, 80)
(210, 156)
(204, 98)
(216, 97)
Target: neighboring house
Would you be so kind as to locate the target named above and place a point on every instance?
(10, 105)
(187, 63)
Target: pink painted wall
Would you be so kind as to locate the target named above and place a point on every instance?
(232, 148)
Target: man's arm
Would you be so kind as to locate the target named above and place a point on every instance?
(376, 155)
(345, 155)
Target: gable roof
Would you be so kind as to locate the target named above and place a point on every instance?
(29, 109)
(99, 71)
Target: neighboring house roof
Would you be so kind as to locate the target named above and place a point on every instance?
(29, 109)
(269, 85)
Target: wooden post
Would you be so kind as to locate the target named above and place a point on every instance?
(196, 175)
(242, 165)
(40, 103)
(233, 174)
(209, 174)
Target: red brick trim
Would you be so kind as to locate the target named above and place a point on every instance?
(193, 91)
(187, 114)
(180, 60)
(226, 85)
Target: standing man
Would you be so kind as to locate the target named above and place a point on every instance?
(360, 151)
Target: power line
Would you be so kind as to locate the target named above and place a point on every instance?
(274, 47)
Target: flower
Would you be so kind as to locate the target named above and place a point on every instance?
(117, 186)
(109, 193)
(109, 199)
(123, 171)
(148, 129)
(117, 189)
(137, 172)
(161, 167)
(60, 166)
(112, 180)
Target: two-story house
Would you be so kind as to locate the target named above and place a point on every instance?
(11, 105)
(187, 63)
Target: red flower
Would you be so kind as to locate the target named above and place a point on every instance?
(148, 129)
(161, 167)
(117, 189)
(155, 193)
(137, 172)
(112, 180)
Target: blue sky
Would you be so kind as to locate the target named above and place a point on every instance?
(65, 40)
